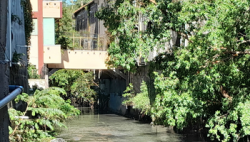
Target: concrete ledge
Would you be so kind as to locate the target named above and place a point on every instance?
(39, 83)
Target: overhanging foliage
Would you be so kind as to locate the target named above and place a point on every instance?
(75, 82)
(208, 78)
(45, 109)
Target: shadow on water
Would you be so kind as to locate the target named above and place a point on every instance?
(92, 126)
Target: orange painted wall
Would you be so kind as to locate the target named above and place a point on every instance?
(40, 36)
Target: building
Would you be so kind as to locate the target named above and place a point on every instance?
(43, 35)
(113, 82)
(93, 39)
(89, 42)
(91, 27)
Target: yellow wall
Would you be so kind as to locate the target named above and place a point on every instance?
(81, 59)
(34, 4)
(52, 9)
(52, 54)
(34, 51)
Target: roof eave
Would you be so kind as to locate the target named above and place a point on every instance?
(79, 9)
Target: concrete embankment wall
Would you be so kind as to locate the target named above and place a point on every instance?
(37, 83)
(112, 89)
(111, 95)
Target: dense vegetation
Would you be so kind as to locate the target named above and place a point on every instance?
(45, 110)
(28, 23)
(140, 100)
(32, 72)
(205, 82)
(76, 83)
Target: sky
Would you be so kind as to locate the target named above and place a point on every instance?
(68, 1)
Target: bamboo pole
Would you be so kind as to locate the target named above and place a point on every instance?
(73, 38)
(98, 42)
(81, 42)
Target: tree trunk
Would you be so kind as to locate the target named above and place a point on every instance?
(4, 73)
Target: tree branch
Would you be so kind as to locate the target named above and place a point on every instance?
(244, 41)
(225, 94)
(24, 113)
(185, 36)
(153, 1)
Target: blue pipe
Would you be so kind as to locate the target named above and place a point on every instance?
(15, 90)
(13, 87)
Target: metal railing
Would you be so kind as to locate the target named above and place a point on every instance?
(15, 90)
(89, 42)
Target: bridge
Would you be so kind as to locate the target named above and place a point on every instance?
(89, 53)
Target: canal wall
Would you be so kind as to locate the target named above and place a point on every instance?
(115, 104)
(140, 75)
(112, 89)
(111, 98)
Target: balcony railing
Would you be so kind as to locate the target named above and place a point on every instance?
(89, 42)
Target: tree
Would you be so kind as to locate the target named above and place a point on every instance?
(65, 26)
(129, 40)
(32, 72)
(45, 109)
(76, 82)
(205, 80)
(139, 101)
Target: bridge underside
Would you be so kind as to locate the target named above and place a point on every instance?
(94, 60)
(76, 59)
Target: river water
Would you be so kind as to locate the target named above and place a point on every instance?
(91, 127)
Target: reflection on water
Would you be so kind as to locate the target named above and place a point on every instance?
(90, 127)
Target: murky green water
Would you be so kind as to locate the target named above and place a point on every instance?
(90, 127)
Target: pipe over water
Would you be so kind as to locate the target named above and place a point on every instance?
(15, 90)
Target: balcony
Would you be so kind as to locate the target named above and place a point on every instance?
(82, 41)
(88, 52)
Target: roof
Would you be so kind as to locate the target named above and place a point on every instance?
(79, 9)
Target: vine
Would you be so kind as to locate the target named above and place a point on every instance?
(28, 21)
